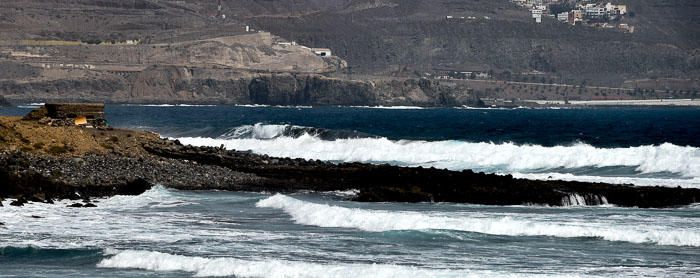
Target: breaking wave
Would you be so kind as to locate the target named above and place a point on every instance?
(390, 107)
(669, 160)
(264, 132)
(323, 215)
(201, 266)
(574, 200)
(171, 105)
(274, 106)
(156, 197)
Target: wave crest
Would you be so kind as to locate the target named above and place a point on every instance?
(201, 266)
(350, 146)
(322, 215)
(261, 131)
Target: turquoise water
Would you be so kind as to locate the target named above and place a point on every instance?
(168, 233)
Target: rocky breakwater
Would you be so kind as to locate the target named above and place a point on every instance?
(385, 183)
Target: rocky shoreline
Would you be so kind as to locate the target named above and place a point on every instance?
(122, 162)
(385, 183)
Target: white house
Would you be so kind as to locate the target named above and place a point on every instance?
(537, 15)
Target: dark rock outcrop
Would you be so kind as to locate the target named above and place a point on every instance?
(19, 202)
(23, 178)
(382, 183)
(41, 178)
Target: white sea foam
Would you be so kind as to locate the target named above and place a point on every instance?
(257, 131)
(275, 106)
(149, 218)
(577, 200)
(457, 155)
(171, 105)
(323, 215)
(156, 197)
(201, 266)
(252, 105)
(390, 107)
(466, 107)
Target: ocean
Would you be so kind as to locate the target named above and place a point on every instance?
(171, 233)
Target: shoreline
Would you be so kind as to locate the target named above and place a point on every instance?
(524, 104)
(41, 163)
(624, 103)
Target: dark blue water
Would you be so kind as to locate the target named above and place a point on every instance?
(603, 127)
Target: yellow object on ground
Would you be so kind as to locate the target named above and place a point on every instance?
(81, 120)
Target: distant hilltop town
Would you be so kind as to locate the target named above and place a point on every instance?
(589, 13)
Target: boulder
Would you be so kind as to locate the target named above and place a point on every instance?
(19, 202)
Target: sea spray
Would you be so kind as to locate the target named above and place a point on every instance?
(313, 143)
(575, 199)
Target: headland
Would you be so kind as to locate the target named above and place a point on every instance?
(41, 163)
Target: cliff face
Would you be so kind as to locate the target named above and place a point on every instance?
(183, 85)
(4, 102)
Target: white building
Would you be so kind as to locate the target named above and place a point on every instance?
(563, 16)
(537, 15)
(323, 52)
(613, 9)
(595, 11)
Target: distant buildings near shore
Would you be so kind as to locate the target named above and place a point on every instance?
(589, 13)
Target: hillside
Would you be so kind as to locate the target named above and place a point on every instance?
(417, 35)
(190, 51)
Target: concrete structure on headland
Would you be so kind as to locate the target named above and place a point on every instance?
(59, 114)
